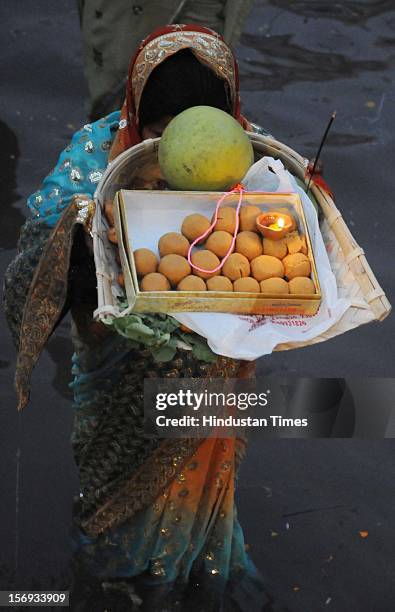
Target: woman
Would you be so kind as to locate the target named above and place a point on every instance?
(155, 517)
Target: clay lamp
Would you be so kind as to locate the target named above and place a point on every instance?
(274, 225)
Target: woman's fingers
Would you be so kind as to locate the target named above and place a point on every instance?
(112, 235)
(109, 212)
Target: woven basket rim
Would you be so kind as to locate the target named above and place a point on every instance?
(369, 303)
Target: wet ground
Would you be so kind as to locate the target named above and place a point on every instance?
(302, 503)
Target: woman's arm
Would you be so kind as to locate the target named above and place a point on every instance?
(78, 170)
(37, 282)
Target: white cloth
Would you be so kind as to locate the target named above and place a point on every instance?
(252, 336)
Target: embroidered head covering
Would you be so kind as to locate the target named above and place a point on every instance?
(207, 46)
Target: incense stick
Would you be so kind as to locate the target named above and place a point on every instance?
(323, 139)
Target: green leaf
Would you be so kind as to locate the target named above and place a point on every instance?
(203, 352)
(165, 353)
(159, 333)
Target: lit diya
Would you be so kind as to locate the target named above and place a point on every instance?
(274, 225)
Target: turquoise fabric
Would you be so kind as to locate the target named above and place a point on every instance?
(78, 170)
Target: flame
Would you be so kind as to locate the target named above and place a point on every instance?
(281, 222)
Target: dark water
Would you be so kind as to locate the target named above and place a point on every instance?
(274, 71)
(302, 503)
(12, 218)
(352, 13)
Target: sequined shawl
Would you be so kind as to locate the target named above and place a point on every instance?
(207, 46)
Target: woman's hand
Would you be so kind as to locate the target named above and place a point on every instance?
(86, 209)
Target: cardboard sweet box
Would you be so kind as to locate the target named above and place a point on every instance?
(142, 217)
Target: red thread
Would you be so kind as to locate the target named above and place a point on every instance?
(236, 189)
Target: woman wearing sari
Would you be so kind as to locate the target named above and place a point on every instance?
(155, 518)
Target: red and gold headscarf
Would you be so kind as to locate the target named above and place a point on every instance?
(207, 46)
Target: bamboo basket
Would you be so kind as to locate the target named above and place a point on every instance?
(355, 279)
